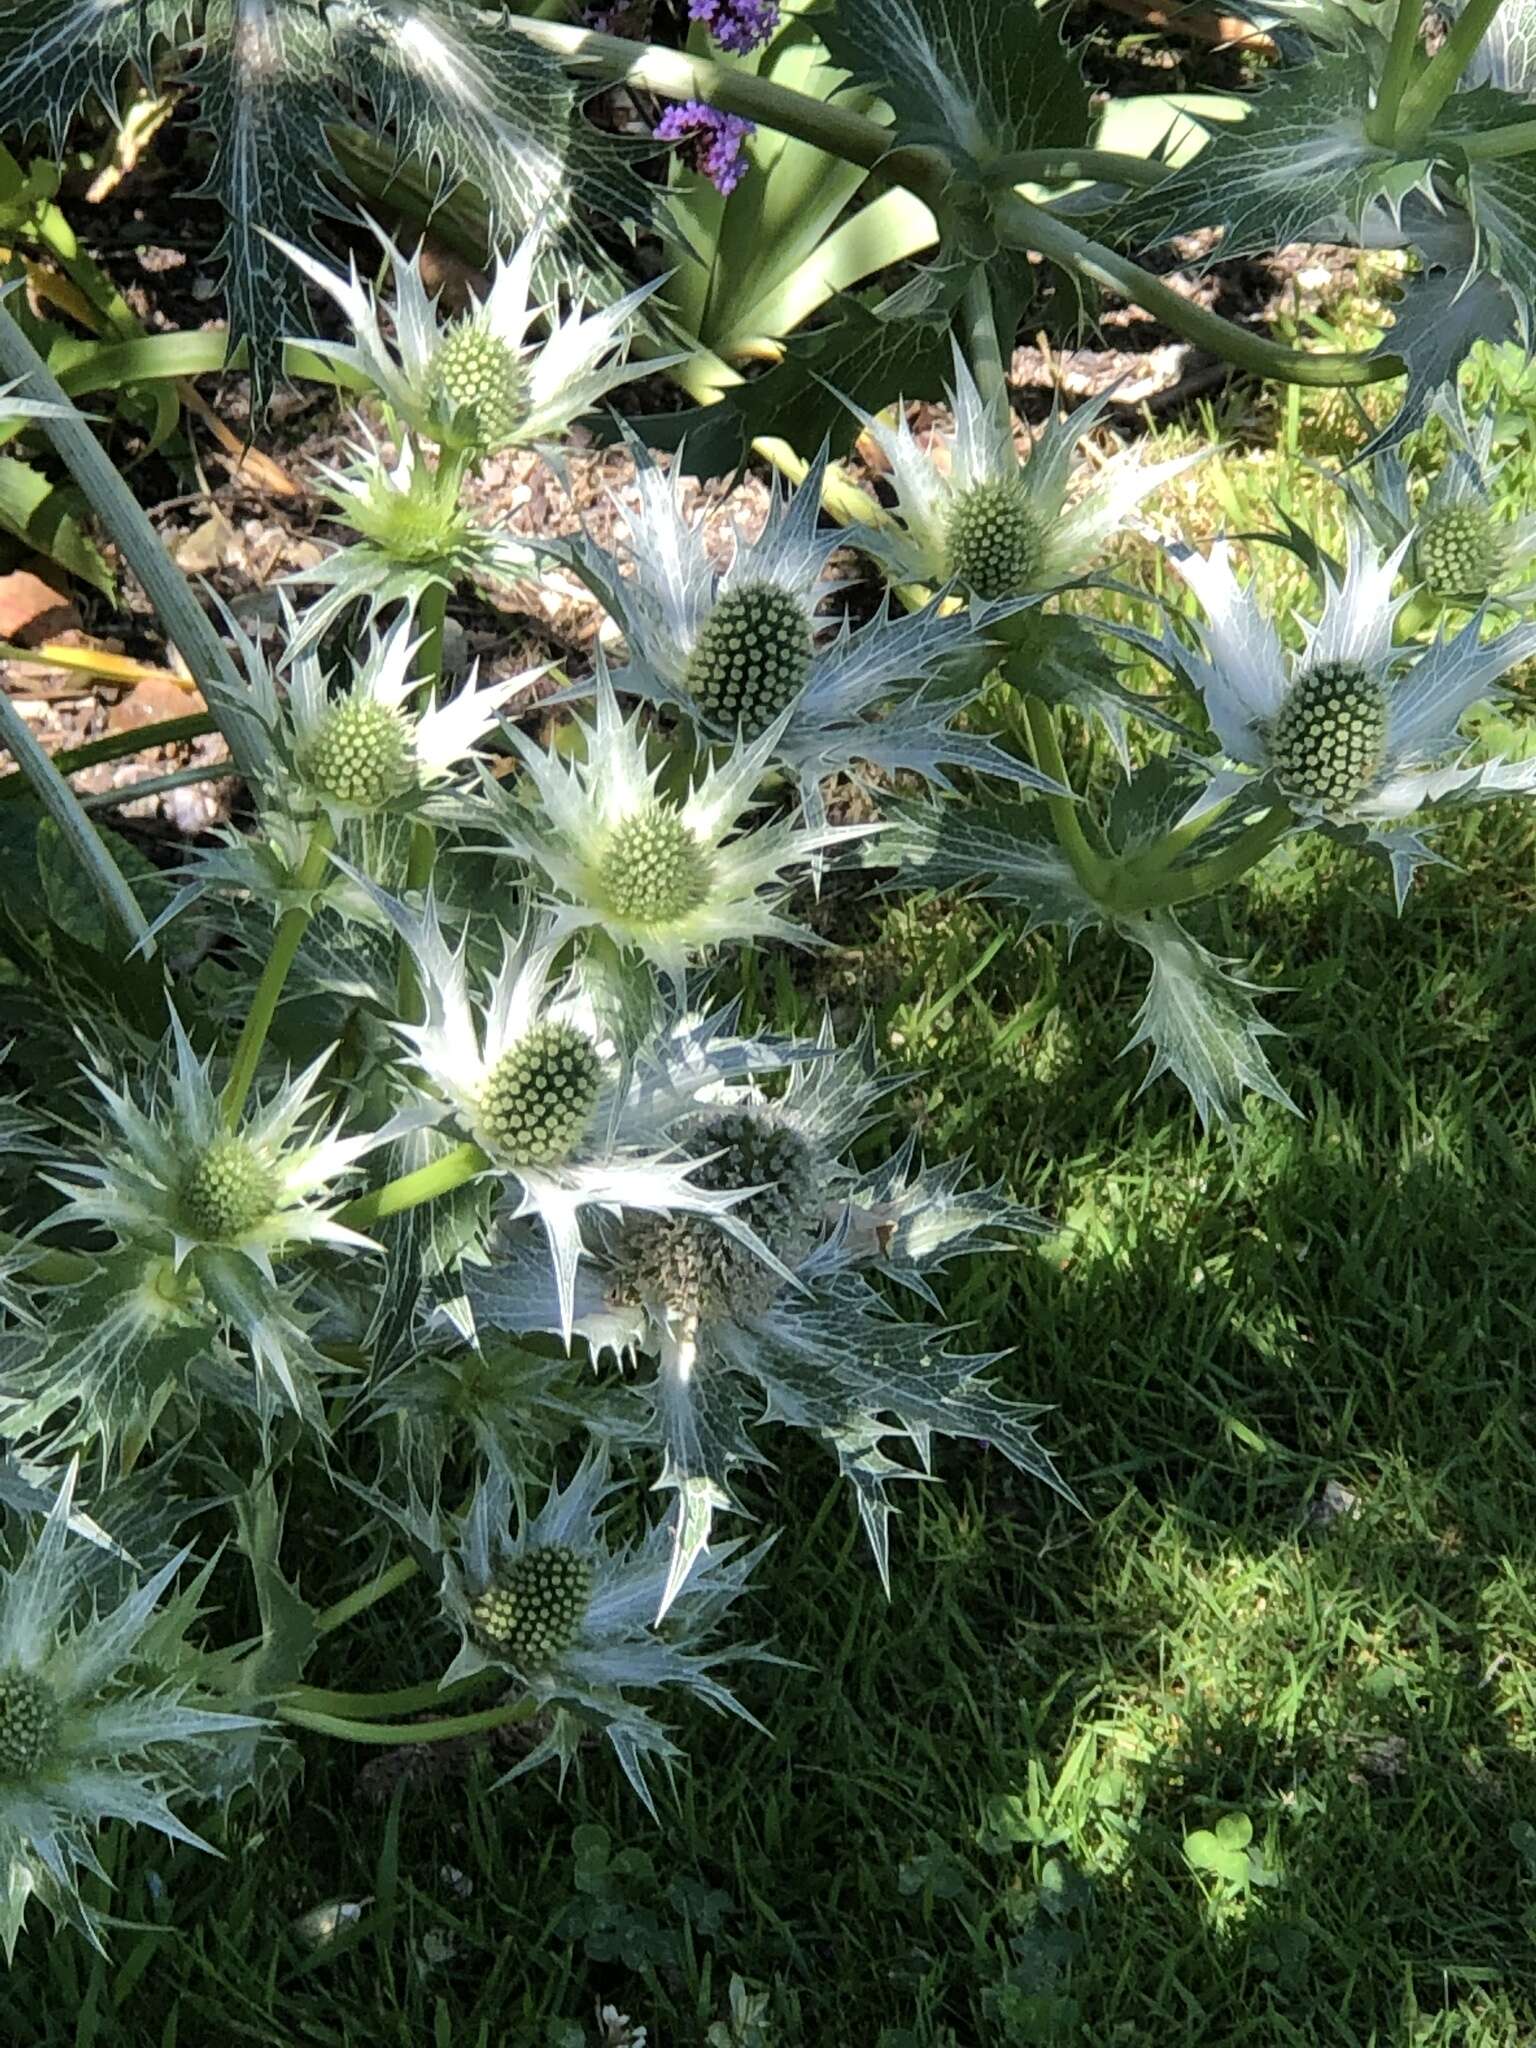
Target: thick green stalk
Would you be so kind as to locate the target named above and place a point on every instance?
(380, 1706)
(439, 1177)
(398, 1574)
(1518, 139)
(858, 140)
(393, 1735)
(1128, 894)
(292, 926)
(1026, 226)
(1381, 121)
(1441, 76)
(1090, 869)
(432, 617)
(1076, 166)
(989, 364)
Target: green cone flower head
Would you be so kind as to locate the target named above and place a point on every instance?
(481, 381)
(1459, 552)
(996, 540)
(1329, 739)
(231, 1190)
(536, 1103)
(534, 1608)
(219, 1206)
(689, 1263)
(381, 742)
(521, 1063)
(362, 755)
(749, 650)
(556, 1602)
(1354, 728)
(998, 526)
(668, 878)
(653, 870)
(752, 657)
(83, 1741)
(479, 386)
(30, 1721)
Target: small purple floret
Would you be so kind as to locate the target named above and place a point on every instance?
(738, 25)
(714, 141)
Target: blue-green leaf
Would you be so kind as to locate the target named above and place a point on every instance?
(1200, 1023)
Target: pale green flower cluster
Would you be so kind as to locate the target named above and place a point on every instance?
(448, 1196)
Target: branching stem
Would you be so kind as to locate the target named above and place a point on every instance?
(841, 132)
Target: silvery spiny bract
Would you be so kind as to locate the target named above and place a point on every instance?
(220, 1205)
(991, 524)
(569, 1119)
(1353, 731)
(672, 877)
(1459, 550)
(814, 1339)
(411, 534)
(569, 1614)
(379, 742)
(748, 648)
(86, 1734)
(477, 382)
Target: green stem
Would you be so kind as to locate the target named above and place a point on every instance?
(452, 1729)
(1129, 894)
(858, 140)
(379, 1706)
(1381, 121)
(1074, 167)
(291, 928)
(425, 1184)
(1040, 723)
(984, 345)
(1518, 139)
(337, 1616)
(1440, 77)
(432, 617)
(1026, 226)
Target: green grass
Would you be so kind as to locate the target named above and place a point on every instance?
(1246, 1753)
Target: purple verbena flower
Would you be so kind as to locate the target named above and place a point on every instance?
(737, 25)
(715, 141)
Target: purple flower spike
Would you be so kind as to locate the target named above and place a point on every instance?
(715, 141)
(738, 25)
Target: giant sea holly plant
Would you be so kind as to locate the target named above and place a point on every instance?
(408, 1157)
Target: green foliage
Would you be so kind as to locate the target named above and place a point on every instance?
(977, 81)
(275, 78)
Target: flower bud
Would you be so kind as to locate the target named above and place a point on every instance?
(1327, 742)
(535, 1606)
(1457, 551)
(536, 1102)
(479, 383)
(752, 658)
(228, 1192)
(653, 870)
(29, 1724)
(362, 754)
(996, 544)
